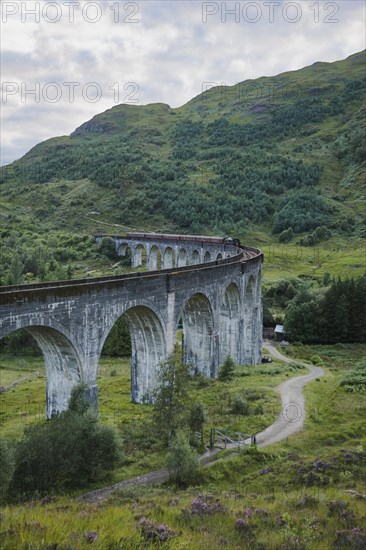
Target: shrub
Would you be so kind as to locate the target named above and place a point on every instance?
(286, 235)
(182, 461)
(353, 538)
(154, 532)
(69, 451)
(355, 379)
(259, 408)
(242, 526)
(6, 468)
(91, 536)
(107, 248)
(202, 506)
(296, 366)
(240, 406)
(317, 360)
(303, 210)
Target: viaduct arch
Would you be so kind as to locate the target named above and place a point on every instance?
(212, 285)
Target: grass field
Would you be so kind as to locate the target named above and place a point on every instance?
(299, 494)
(25, 402)
(338, 257)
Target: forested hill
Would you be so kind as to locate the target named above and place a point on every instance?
(284, 153)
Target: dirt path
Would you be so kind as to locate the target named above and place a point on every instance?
(290, 421)
(292, 416)
(152, 478)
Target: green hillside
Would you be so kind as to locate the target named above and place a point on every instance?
(277, 159)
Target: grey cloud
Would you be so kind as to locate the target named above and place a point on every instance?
(168, 55)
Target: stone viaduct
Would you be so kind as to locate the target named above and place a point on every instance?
(211, 285)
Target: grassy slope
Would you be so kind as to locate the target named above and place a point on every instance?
(25, 402)
(298, 513)
(71, 205)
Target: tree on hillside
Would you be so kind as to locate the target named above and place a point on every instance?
(335, 314)
(196, 421)
(170, 398)
(16, 270)
(344, 311)
(338, 314)
(107, 247)
(227, 371)
(301, 320)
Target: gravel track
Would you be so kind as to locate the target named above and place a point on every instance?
(291, 419)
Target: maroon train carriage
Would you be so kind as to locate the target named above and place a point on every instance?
(194, 238)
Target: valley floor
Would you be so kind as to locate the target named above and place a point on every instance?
(288, 422)
(305, 492)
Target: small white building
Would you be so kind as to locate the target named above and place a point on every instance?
(279, 333)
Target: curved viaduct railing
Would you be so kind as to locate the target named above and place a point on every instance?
(218, 301)
(241, 254)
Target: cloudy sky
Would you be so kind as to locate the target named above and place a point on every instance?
(65, 61)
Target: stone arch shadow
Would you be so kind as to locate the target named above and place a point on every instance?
(154, 258)
(63, 362)
(249, 300)
(139, 255)
(199, 334)
(230, 324)
(195, 257)
(207, 257)
(125, 252)
(148, 343)
(182, 257)
(168, 258)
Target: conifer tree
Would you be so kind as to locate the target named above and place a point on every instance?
(227, 371)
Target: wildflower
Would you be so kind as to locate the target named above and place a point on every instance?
(321, 466)
(336, 506)
(284, 519)
(201, 506)
(241, 525)
(91, 536)
(347, 516)
(355, 538)
(262, 512)
(281, 521)
(154, 532)
(264, 471)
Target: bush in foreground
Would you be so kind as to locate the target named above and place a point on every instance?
(69, 451)
(182, 461)
(6, 468)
